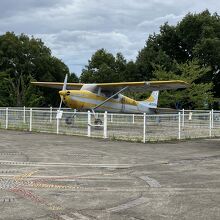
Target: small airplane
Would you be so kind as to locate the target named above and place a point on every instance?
(108, 96)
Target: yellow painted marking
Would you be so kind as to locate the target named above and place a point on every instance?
(80, 105)
(150, 99)
(44, 185)
(25, 175)
(54, 207)
(76, 104)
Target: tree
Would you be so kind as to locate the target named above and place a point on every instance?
(197, 96)
(130, 74)
(4, 99)
(24, 59)
(197, 36)
(104, 67)
(150, 56)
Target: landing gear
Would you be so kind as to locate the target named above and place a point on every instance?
(98, 121)
(70, 119)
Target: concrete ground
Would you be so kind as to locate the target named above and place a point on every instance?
(44, 176)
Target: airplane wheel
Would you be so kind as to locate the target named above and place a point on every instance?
(98, 121)
(69, 120)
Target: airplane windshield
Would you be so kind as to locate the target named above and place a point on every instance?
(90, 87)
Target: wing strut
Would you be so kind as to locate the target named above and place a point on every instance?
(109, 98)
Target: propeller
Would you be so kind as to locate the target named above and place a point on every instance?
(59, 112)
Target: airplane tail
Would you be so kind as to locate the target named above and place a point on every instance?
(152, 101)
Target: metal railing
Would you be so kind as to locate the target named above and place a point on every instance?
(134, 127)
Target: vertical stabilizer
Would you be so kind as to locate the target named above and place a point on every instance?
(152, 101)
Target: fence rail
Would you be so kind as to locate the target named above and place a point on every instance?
(136, 127)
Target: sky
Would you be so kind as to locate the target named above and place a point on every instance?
(76, 29)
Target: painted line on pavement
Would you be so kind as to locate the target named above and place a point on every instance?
(128, 205)
(150, 181)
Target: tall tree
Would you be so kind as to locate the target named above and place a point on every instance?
(23, 59)
(197, 96)
(104, 67)
(197, 36)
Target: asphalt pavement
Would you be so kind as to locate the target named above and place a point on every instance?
(45, 176)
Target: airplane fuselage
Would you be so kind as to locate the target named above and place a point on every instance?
(86, 100)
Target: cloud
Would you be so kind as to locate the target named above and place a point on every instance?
(75, 29)
(154, 25)
(80, 44)
(14, 7)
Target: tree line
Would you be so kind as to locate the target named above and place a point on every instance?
(187, 51)
(24, 59)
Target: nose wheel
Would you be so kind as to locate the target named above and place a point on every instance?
(98, 121)
(70, 120)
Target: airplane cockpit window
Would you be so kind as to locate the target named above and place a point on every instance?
(96, 90)
(108, 94)
(99, 91)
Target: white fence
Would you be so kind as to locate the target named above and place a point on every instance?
(136, 127)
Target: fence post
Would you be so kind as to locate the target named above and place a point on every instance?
(89, 124)
(144, 130)
(51, 113)
(6, 118)
(30, 128)
(58, 121)
(183, 117)
(212, 118)
(179, 125)
(24, 115)
(133, 118)
(105, 135)
(210, 124)
(111, 118)
(190, 116)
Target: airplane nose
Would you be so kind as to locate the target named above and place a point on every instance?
(63, 93)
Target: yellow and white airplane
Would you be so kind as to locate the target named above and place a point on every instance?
(108, 96)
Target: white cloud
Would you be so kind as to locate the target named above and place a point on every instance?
(154, 25)
(81, 44)
(75, 29)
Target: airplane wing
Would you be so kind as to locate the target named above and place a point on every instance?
(131, 86)
(57, 85)
(144, 86)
